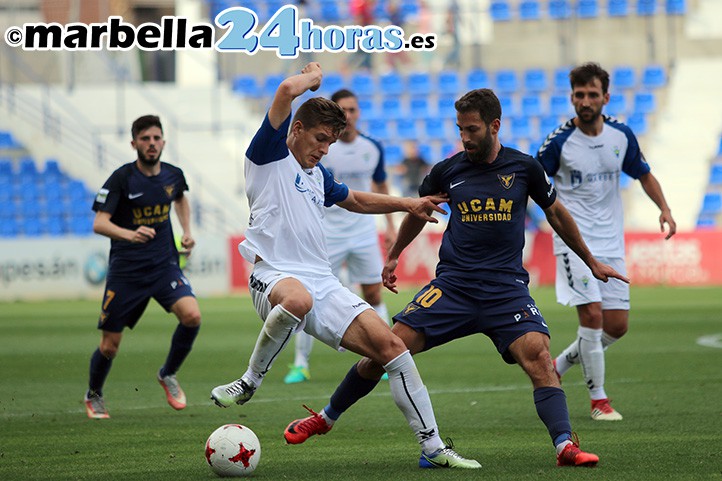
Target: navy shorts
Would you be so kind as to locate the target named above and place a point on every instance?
(125, 299)
(449, 308)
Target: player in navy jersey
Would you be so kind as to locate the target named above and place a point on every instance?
(481, 285)
(352, 240)
(292, 285)
(133, 209)
(586, 155)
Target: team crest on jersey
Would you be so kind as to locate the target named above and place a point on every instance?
(300, 184)
(410, 308)
(169, 190)
(507, 180)
(616, 151)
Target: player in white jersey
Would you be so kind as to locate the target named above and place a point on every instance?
(586, 156)
(292, 285)
(352, 239)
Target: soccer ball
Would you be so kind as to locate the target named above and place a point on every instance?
(233, 450)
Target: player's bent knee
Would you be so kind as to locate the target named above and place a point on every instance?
(109, 351)
(191, 319)
(299, 307)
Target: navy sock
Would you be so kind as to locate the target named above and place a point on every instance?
(352, 388)
(99, 369)
(180, 346)
(551, 406)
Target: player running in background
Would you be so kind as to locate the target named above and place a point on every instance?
(481, 285)
(133, 210)
(586, 156)
(292, 285)
(351, 239)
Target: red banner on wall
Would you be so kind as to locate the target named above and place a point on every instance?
(693, 258)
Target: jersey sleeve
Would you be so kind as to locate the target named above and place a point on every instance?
(182, 184)
(432, 182)
(269, 144)
(379, 174)
(548, 155)
(634, 164)
(541, 190)
(107, 198)
(333, 190)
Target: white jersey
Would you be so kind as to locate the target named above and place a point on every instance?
(586, 174)
(287, 205)
(356, 164)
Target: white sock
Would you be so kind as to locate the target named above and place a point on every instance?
(591, 356)
(304, 345)
(570, 355)
(382, 312)
(273, 338)
(412, 398)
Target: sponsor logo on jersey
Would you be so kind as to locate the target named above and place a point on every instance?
(134, 196)
(576, 178)
(102, 196)
(169, 189)
(300, 184)
(507, 180)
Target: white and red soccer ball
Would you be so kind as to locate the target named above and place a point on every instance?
(233, 450)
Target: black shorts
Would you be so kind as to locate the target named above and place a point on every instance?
(125, 299)
(451, 308)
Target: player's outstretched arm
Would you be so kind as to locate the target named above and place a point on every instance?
(651, 186)
(563, 224)
(104, 226)
(371, 203)
(309, 79)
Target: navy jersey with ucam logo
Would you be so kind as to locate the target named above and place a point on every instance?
(484, 238)
(586, 174)
(133, 199)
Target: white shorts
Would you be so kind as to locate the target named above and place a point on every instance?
(575, 284)
(334, 306)
(364, 262)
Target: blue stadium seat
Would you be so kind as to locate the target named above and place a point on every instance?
(548, 124)
(52, 171)
(427, 152)
(587, 9)
(623, 77)
(560, 105)
(448, 82)
(8, 141)
(419, 108)
(406, 128)
(379, 130)
(654, 77)
(500, 11)
(392, 84)
(409, 8)
(6, 192)
(521, 127)
(31, 227)
(28, 192)
(246, 85)
(645, 102)
(617, 105)
(368, 108)
(435, 128)
(7, 210)
(529, 10)
(54, 226)
(617, 8)
(80, 225)
(676, 7)
(393, 154)
(535, 145)
(333, 82)
(560, 9)
(646, 8)
(531, 105)
(445, 107)
(507, 105)
(329, 11)
(419, 83)
(447, 149)
(535, 80)
(363, 84)
(9, 228)
(28, 168)
(715, 175)
(271, 83)
(561, 79)
(477, 79)
(706, 222)
(712, 203)
(637, 121)
(55, 206)
(391, 108)
(506, 81)
(75, 190)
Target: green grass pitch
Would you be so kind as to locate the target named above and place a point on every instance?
(667, 386)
